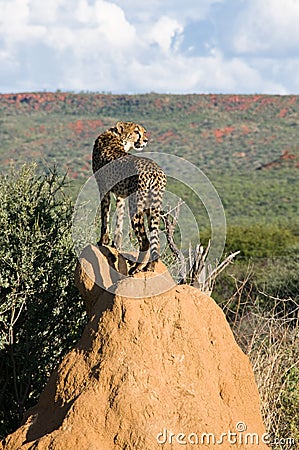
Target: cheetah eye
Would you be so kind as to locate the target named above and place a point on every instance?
(138, 132)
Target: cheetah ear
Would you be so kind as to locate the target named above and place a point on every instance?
(118, 129)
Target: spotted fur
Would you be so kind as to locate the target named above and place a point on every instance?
(138, 178)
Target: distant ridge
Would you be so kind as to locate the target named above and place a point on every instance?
(231, 132)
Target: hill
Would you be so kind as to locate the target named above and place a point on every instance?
(246, 144)
(214, 131)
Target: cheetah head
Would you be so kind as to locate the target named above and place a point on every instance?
(132, 135)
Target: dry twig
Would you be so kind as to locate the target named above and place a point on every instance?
(194, 270)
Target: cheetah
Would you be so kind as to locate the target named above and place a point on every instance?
(138, 178)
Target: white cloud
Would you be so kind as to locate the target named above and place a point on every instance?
(177, 74)
(268, 26)
(14, 22)
(164, 32)
(114, 26)
(46, 12)
(110, 21)
(125, 46)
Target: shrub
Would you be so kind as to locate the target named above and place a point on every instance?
(280, 276)
(41, 314)
(259, 241)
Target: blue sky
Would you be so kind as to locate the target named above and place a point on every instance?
(129, 46)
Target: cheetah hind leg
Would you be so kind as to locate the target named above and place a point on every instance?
(153, 219)
(137, 222)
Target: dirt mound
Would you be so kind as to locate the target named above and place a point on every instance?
(148, 373)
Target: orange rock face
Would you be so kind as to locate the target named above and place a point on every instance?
(159, 372)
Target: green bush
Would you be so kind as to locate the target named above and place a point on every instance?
(280, 276)
(259, 241)
(41, 314)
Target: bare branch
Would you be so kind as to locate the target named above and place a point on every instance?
(194, 269)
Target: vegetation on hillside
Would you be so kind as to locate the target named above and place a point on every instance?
(247, 145)
(223, 132)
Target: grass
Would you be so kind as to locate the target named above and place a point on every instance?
(271, 340)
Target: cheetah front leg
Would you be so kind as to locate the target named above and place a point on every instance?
(118, 234)
(105, 209)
